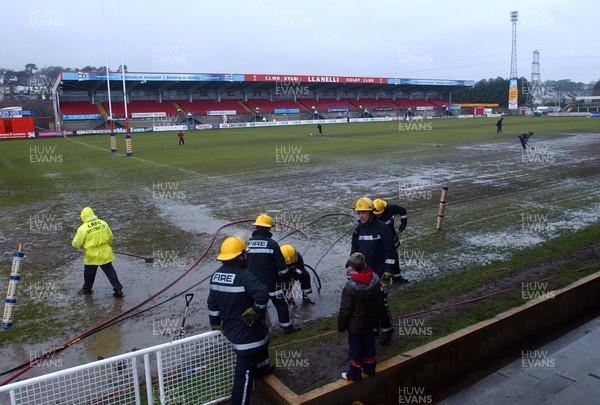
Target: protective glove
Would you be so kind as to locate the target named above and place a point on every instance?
(217, 327)
(249, 316)
(386, 279)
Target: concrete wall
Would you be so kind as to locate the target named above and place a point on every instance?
(442, 361)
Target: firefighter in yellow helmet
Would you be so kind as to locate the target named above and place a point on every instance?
(95, 236)
(374, 240)
(267, 263)
(298, 272)
(385, 213)
(236, 305)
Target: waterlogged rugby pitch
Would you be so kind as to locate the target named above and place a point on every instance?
(166, 202)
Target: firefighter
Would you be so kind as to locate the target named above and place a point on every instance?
(298, 272)
(236, 306)
(266, 262)
(386, 212)
(374, 239)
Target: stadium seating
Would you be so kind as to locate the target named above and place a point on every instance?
(407, 103)
(201, 107)
(439, 102)
(78, 108)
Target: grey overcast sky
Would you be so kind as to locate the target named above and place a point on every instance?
(424, 39)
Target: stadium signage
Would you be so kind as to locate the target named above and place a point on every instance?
(230, 77)
(432, 82)
(13, 135)
(54, 133)
(323, 79)
(285, 79)
(16, 113)
(362, 80)
(571, 114)
(74, 117)
(289, 79)
(169, 128)
(286, 111)
(149, 115)
(206, 77)
(221, 112)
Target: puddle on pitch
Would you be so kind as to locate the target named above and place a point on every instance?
(187, 217)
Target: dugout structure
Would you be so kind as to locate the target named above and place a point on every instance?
(191, 99)
(16, 123)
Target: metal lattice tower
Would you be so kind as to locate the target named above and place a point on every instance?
(514, 16)
(534, 95)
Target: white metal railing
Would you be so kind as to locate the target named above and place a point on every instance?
(194, 370)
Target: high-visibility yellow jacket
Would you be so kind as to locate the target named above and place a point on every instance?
(95, 237)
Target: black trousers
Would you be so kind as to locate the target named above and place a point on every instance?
(384, 316)
(89, 276)
(304, 277)
(283, 311)
(249, 367)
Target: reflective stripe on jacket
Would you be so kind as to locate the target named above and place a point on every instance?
(233, 289)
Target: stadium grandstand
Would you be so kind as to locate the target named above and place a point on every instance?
(164, 99)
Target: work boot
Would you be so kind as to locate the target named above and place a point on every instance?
(307, 300)
(399, 279)
(291, 329)
(118, 293)
(386, 338)
(346, 377)
(266, 370)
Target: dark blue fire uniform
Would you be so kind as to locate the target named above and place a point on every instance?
(387, 217)
(374, 240)
(233, 289)
(299, 273)
(267, 263)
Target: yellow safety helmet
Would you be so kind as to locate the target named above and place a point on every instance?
(263, 220)
(363, 204)
(289, 254)
(231, 248)
(379, 206)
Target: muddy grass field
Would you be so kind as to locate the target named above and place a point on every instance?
(167, 202)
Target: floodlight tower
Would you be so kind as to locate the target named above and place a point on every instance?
(534, 93)
(514, 17)
(513, 91)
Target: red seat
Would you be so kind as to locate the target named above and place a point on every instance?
(78, 108)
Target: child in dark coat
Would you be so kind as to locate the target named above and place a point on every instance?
(358, 316)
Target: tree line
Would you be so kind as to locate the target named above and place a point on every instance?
(496, 90)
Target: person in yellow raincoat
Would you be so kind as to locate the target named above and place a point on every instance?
(95, 236)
